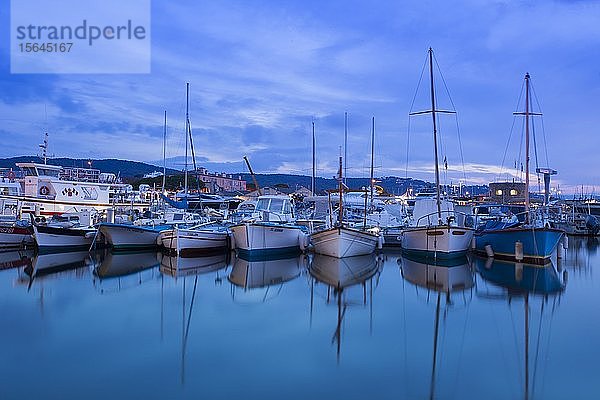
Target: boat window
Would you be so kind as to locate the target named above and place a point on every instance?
(262, 205)
(177, 217)
(513, 192)
(276, 205)
(499, 192)
(29, 171)
(287, 207)
(48, 172)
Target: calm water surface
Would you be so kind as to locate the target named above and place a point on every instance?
(75, 326)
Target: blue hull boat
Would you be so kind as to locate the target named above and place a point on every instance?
(538, 243)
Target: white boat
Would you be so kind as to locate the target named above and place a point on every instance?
(49, 236)
(343, 241)
(12, 236)
(442, 233)
(270, 230)
(127, 236)
(65, 230)
(185, 242)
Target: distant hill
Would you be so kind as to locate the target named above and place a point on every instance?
(126, 169)
(391, 184)
(133, 171)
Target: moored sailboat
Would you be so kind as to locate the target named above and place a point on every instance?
(439, 233)
(532, 241)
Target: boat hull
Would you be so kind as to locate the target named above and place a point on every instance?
(51, 237)
(193, 241)
(15, 236)
(344, 242)
(438, 242)
(263, 239)
(130, 236)
(538, 244)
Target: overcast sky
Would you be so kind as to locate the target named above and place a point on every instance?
(261, 71)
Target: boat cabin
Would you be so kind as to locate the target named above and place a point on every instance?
(274, 208)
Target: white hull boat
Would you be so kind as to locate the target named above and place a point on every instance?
(437, 241)
(345, 242)
(48, 237)
(121, 236)
(267, 237)
(15, 236)
(190, 241)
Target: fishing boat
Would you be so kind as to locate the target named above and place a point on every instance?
(437, 231)
(13, 235)
(129, 236)
(532, 241)
(270, 230)
(341, 240)
(68, 230)
(198, 239)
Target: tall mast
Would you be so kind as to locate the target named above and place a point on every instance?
(371, 183)
(527, 145)
(345, 146)
(435, 149)
(341, 188)
(164, 154)
(314, 166)
(187, 121)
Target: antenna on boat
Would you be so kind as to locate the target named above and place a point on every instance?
(44, 148)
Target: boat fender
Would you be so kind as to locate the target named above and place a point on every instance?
(232, 243)
(303, 241)
(159, 240)
(565, 242)
(488, 250)
(380, 242)
(519, 250)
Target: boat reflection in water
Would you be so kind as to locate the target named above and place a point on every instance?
(341, 275)
(56, 264)
(449, 278)
(16, 258)
(510, 282)
(117, 270)
(184, 266)
(262, 279)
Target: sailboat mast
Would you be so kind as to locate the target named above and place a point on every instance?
(345, 146)
(527, 145)
(187, 121)
(371, 183)
(164, 154)
(435, 149)
(341, 188)
(314, 165)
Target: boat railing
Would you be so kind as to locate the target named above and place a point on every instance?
(450, 217)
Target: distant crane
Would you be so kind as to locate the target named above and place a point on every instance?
(253, 176)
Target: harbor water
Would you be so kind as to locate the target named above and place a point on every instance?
(146, 325)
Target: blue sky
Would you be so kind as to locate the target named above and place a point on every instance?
(261, 71)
